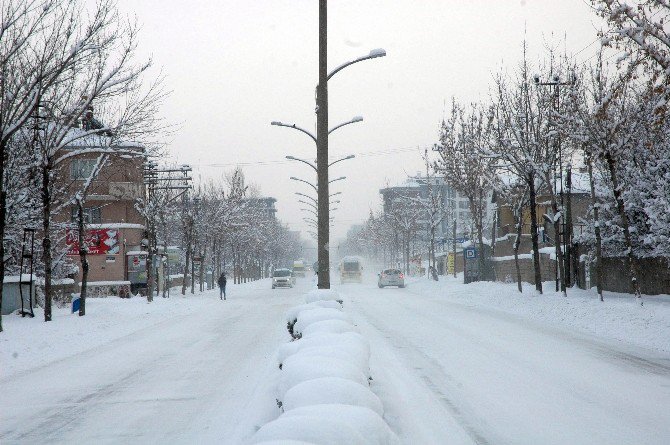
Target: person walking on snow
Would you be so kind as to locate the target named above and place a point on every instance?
(222, 286)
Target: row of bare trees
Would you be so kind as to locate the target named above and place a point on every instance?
(608, 116)
(222, 225)
(60, 59)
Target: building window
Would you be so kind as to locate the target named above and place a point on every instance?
(81, 168)
(92, 215)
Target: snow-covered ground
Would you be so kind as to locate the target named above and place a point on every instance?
(481, 364)
(180, 370)
(451, 363)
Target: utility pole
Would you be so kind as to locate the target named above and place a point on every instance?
(323, 229)
(558, 216)
(453, 244)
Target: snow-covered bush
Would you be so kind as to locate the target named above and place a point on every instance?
(300, 368)
(328, 327)
(309, 429)
(331, 390)
(311, 316)
(354, 356)
(323, 388)
(285, 442)
(322, 420)
(323, 295)
(351, 341)
(292, 314)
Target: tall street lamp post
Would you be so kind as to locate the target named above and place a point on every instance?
(321, 140)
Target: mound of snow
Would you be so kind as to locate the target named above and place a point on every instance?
(314, 315)
(327, 327)
(285, 442)
(297, 369)
(292, 314)
(322, 295)
(365, 421)
(311, 429)
(329, 390)
(353, 341)
(355, 356)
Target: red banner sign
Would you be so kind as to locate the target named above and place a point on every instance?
(98, 241)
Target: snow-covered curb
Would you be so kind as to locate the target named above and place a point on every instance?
(323, 389)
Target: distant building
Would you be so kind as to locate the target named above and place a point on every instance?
(456, 206)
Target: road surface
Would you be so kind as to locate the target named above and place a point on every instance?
(448, 370)
(447, 373)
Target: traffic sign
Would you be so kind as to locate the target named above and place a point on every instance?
(470, 253)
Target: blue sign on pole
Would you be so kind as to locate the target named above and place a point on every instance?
(470, 253)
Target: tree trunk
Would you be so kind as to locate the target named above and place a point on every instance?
(567, 236)
(533, 232)
(453, 245)
(632, 261)
(3, 211)
(186, 262)
(83, 250)
(202, 267)
(46, 240)
(517, 243)
(557, 241)
(596, 222)
(150, 259)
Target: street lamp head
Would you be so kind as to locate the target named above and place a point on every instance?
(290, 157)
(276, 123)
(379, 52)
(357, 119)
(350, 157)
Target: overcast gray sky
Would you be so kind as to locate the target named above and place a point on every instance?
(236, 65)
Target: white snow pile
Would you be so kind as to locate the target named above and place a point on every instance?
(322, 295)
(292, 314)
(323, 391)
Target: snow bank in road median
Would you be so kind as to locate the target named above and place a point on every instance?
(292, 314)
(315, 315)
(351, 341)
(322, 295)
(323, 388)
(328, 327)
(329, 424)
(331, 390)
(310, 429)
(300, 368)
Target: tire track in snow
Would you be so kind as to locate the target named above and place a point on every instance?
(434, 377)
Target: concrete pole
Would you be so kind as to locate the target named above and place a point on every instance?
(322, 150)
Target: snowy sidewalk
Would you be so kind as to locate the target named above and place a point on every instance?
(182, 370)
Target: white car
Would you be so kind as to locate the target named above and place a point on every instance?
(391, 277)
(282, 278)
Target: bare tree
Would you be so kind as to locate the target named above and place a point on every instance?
(464, 136)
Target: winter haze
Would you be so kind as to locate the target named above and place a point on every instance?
(233, 67)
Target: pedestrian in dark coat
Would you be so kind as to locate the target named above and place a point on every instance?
(222, 286)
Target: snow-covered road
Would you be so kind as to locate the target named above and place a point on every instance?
(197, 378)
(451, 372)
(451, 363)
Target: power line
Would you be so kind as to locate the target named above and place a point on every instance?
(282, 161)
